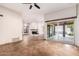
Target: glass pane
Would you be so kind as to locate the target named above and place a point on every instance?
(69, 32)
(59, 32)
(62, 31)
(50, 30)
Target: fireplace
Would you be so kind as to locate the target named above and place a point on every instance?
(34, 31)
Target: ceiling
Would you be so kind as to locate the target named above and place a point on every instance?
(45, 7)
(36, 15)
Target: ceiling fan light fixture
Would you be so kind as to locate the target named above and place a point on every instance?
(30, 7)
(36, 5)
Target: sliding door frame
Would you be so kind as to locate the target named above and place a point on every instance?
(63, 19)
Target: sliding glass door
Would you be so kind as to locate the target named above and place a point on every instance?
(69, 32)
(50, 31)
(61, 31)
(58, 32)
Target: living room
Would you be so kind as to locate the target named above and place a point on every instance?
(35, 28)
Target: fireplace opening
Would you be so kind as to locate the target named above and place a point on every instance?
(34, 31)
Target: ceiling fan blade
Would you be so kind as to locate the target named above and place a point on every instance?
(36, 5)
(30, 7)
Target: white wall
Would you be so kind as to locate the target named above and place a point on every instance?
(10, 26)
(77, 29)
(64, 13)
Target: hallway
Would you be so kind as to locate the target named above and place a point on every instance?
(38, 47)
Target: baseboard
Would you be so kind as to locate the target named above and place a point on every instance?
(11, 43)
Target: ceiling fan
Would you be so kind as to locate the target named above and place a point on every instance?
(32, 5)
